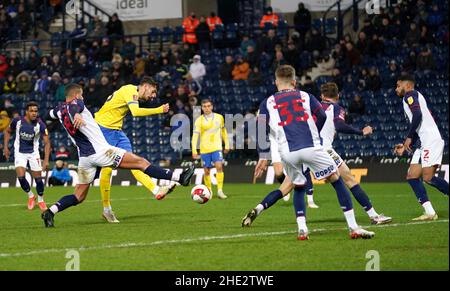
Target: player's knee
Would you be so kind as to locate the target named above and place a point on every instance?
(427, 178)
(333, 178)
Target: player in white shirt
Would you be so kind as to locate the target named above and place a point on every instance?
(336, 123)
(289, 116)
(427, 157)
(94, 152)
(28, 130)
(280, 174)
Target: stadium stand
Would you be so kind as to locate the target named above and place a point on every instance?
(427, 58)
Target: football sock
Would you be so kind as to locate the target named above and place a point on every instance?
(299, 201)
(439, 184)
(428, 208)
(39, 186)
(301, 223)
(371, 212)
(207, 179)
(280, 179)
(25, 186)
(419, 190)
(345, 200)
(105, 186)
(350, 218)
(220, 178)
(160, 173)
(63, 203)
(271, 198)
(361, 197)
(146, 181)
(259, 208)
(40, 198)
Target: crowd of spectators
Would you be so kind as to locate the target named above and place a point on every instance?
(108, 60)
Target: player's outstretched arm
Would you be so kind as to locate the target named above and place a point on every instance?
(137, 111)
(47, 149)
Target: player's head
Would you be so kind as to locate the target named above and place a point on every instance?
(207, 106)
(73, 91)
(285, 77)
(329, 92)
(32, 110)
(405, 83)
(148, 88)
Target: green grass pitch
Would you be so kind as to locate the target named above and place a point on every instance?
(178, 234)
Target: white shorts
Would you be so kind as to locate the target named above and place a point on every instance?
(21, 160)
(335, 156)
(275, 155)
(316, 159)
(429, 155)
(87, 166)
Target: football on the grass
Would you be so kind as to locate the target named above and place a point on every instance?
(200, 194)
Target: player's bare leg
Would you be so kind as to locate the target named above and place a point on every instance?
(220, 178)
(285, 188)
(39, 180)
(345, 201)
(361, 196)
(279, 176)
(413, 177)
(20, 172)
(80, 194)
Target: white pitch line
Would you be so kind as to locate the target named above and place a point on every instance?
(189, 240)
(88, 201)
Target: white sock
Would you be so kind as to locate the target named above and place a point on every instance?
(176, 176)
(371, 212)
(40, 198)
(301, 222)
(351, 220)
(310, 199)
(54, 209)
(155, 190)
(428, 208)
(30, 194)
(259, 208)
(107, 209)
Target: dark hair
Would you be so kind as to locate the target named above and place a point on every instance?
(31, 104)
(148, 80)
(329, 90)
(204, 101)
(72, 89)
(406, 77)
(285, 73)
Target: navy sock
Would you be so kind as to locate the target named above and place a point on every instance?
(158, 173)
(419, 190)
(345, 200)
(66, 202)
(39, 186)
(439, 184)
(361, 197)
(24, 184)
(271, 198)
(280, 179)
(299, 201)
(308, 185)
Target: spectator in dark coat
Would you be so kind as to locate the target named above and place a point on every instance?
(128, 49)
(302, 21)
(412, 37)
(316, 41)
(255, 78)
(425, 60)
(376, 46)
(105, 52)
(352, 54)
(373, 81)
(203, 34)
(253, 58)
(226, 69)
(115, 27)
(356, 108)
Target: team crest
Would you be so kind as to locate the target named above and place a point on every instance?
(410, 100)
